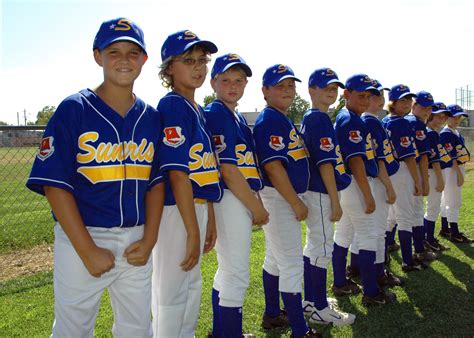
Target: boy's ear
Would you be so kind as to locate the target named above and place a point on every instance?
(97, 57)
(145, 58)
(213, 83)
(346, 93)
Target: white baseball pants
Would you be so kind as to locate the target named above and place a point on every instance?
(452, 195)
(433, 200)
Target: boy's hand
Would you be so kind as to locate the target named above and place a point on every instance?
(300, 209)
(192, 252)
(260, 215)
(417, 188)
(425, 188)
(211, 236)
(391, 195)
(440, 185)
(99, 261)
(369, 204)
(336, 212)
(138, 253)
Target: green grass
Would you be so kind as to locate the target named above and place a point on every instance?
(436, 302)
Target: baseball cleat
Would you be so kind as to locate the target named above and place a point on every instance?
(425, 256)
(390, 280)
(308, 307)
(332, 302)
(415, 266)
(329, 315)
(352, 272)
(446, 233)
(280, 321)
(393, 247)
(351, 288)
(383, 298)
(461, 238)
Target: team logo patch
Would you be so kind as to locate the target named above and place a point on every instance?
(326, 144)
(276, 142)
(354, 136)
(219, 142)
(405, 141)
(173, 137)
(46, 148)
(420, 135)
(448, 147)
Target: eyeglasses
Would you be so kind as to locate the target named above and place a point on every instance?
(192, 62)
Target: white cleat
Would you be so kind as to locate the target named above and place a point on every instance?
(308, 308)
(332, 302)
(332, 315)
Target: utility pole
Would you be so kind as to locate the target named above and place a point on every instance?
(17, 118)
(24, 115)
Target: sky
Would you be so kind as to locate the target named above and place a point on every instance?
(46, 45)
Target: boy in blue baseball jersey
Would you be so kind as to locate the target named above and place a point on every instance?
(97, 166)
(282, 157)
(240, 207)
(438, 160)
(383, 190)
(452, 197)
(357, 201)
(327, 177)
(421, 111)
(406, 180)
(192, 184)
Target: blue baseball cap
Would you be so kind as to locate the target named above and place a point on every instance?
(440, 107)
(120, 29)
(277, 73)
(224, 62)
(361, 83)
(178, 43)
(424, 99)
(378, 85)
(399, 91)
(323, 77)
(456, 110)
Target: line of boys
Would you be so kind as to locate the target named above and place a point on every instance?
(101, 151)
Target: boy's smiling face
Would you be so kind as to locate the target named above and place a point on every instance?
(281, 95)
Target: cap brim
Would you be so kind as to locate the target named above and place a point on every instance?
(460, 114)
(244, 66)
(336, 81)
(289, 76)
(208, 45)
(372, 90)
(406, 94)
(107, 43)
(441, 111)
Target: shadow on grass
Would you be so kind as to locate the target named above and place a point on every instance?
(466, 248)
(26, 283)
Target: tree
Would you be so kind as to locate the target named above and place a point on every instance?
(2, 123)
(44, 115)
(209, 98)
(297, 109)
(333, 112)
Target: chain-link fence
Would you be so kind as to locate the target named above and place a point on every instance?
(25, 217)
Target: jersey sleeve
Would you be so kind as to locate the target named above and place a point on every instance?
(320, 138)
(448, 140)
(271, 141)
(401, 135)
(178, 123)
(55, 162)
(351, 139)
(223, 129)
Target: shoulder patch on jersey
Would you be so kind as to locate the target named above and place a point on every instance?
(173, 137)
(420, 135)
(46, 148)
(405, 141)
(354, 136)
(219, 142)
(326, 144)
(276, 142)
(448, 147)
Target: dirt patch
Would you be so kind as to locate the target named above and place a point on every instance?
(26, 262)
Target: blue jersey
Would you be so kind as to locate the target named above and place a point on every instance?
(454, 144)
(400, 135)
(320, 140)
(106, 161)
(277, 139)
(233, 141)
(187, 146)
(380, 143)
(355, 140)
(419, 130)
(437, 151)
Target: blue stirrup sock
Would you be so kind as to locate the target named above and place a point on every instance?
(367, 272)
(406, 246)
(454, 228)
(429, 229)
(444, 224)
(379, 269)
(231, 321)
(355, 261)
(294, 310)
(216, 327)
(417, 233)
(339, 259)
(308, 281)
(391, 235)
(319, 278)
(272, 295)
